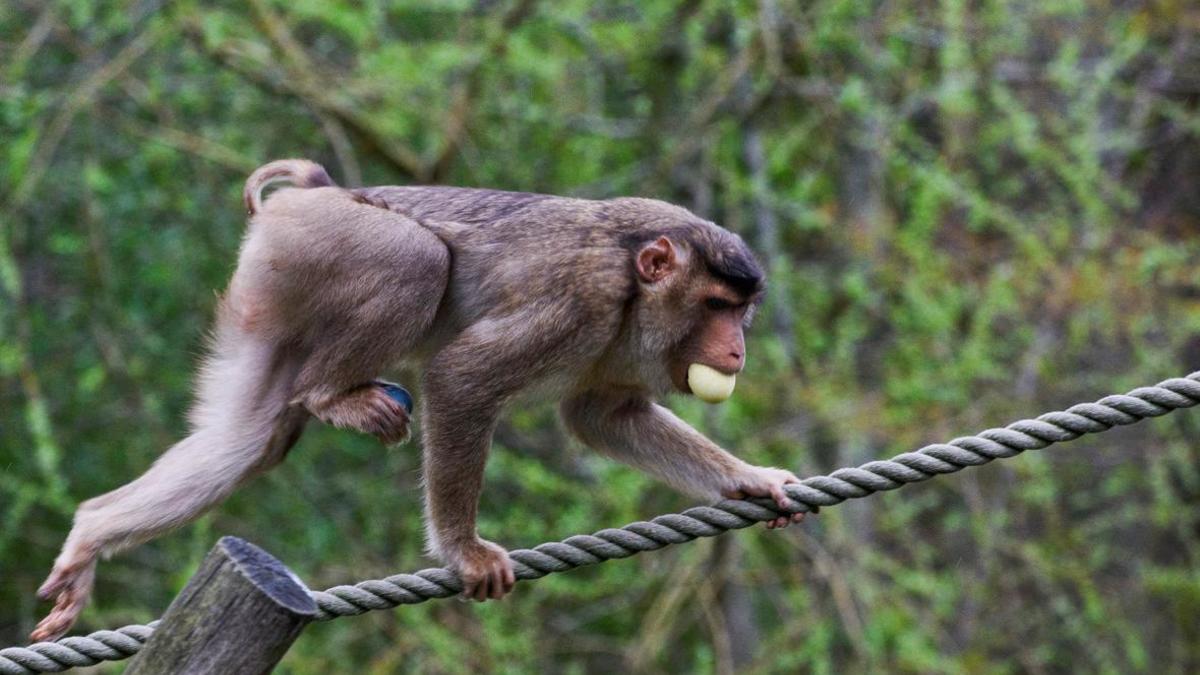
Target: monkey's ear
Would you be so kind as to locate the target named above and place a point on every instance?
(656, 261)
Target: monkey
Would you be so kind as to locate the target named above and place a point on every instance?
(606, 304)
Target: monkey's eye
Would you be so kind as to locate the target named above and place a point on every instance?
(717, 304)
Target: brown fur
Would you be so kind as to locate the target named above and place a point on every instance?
(496, 293)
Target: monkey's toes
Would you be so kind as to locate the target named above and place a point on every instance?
(54, 584)
(49, 629)
(378, 408)
(391, 413)
(74, 578)
(60, 619)
(70, 586)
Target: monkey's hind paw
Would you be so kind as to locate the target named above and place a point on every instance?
(70, 588)
(400, 395)
(393, 407)
(381, 409)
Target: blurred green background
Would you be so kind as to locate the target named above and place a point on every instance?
(972, 212)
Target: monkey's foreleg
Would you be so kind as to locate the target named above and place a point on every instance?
(650, 437)
(457, 438)
(464, 387)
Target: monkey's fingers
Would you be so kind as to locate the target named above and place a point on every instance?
(503, 579)
(496, 585)
(510, 577)
(494, 580)
(497, 580)
(480, 590)
(781, 498)
(783, 521)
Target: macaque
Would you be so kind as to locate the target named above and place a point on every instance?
(606, 304)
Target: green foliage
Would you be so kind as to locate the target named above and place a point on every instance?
(972, 212)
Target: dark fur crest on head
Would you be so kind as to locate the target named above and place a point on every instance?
(726, 257)
(733, 264)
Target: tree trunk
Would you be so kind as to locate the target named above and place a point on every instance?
(239, 614)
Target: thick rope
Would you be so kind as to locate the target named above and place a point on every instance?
(677, 528)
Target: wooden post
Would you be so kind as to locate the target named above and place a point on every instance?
(239, 614)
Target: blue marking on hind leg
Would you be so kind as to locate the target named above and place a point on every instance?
(399, 395)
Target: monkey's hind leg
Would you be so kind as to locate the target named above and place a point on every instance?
(387, 316)
(242, 425)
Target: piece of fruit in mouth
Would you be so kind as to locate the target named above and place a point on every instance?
(709, 384)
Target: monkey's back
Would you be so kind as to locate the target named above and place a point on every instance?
(511, 250)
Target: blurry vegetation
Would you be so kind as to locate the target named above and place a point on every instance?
(972, 212)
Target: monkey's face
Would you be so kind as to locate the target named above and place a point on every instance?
(698, 320)
(716, 340)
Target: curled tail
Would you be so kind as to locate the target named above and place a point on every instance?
(298, 172)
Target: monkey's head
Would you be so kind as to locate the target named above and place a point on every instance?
(698, 288)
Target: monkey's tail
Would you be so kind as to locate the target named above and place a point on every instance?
(298, 172)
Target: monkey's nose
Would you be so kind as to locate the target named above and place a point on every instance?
(726, 366)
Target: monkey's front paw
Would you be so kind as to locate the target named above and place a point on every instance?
(761, 481)
(485, 569)
(70, 586)
(381, 409)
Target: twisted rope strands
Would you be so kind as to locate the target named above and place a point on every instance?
(76, 651)
(702, 521)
